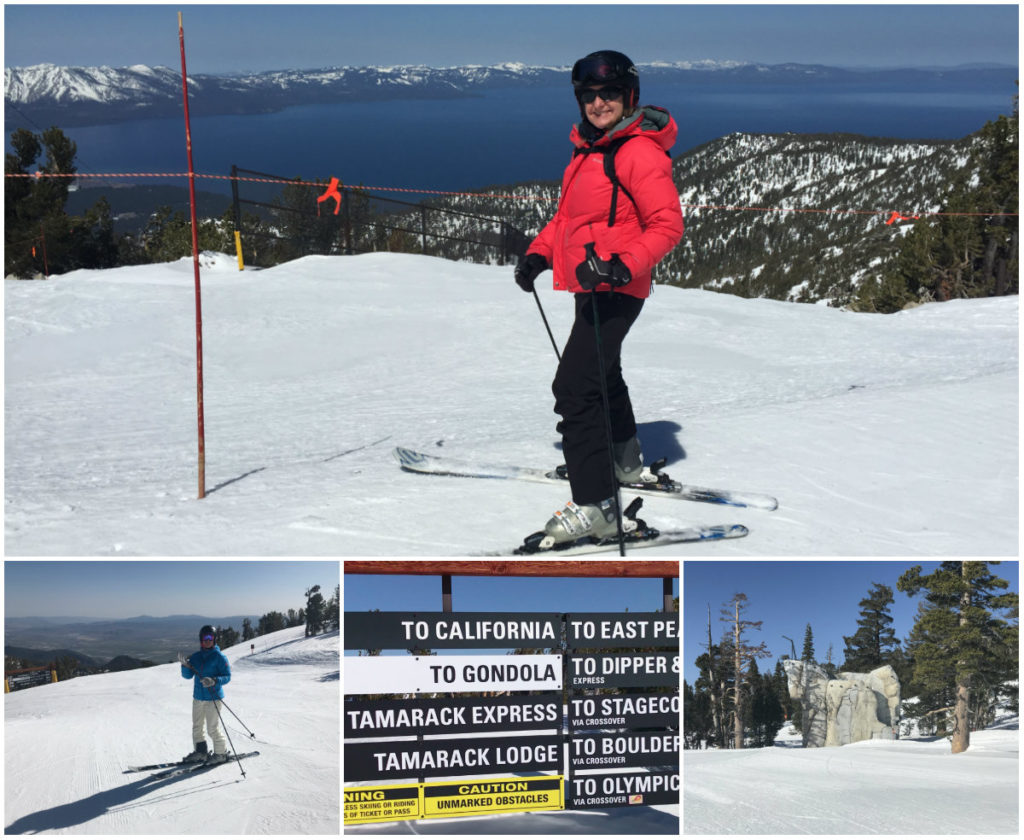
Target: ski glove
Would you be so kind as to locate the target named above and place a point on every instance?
(594, 271)
(208, 682)
(527, 270)
(184, 660)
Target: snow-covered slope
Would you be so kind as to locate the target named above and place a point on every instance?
(880, 435)
(66, 746)
(872, 787)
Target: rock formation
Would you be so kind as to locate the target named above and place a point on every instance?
(851, 707)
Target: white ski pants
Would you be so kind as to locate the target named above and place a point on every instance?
(204, 714)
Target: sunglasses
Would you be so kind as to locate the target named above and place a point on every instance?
(610, 94)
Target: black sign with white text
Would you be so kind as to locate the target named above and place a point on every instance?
(608, 790)
(435, 630)
(625, 749)
(623, 711)
(604, 670)
(448, 716)
(451, 757)
(629, 630)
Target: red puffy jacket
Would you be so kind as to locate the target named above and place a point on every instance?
(642, 234)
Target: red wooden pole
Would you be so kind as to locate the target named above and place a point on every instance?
(195, 263)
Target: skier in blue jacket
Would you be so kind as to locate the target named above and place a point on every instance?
(209, 670)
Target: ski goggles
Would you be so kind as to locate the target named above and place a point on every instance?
(207, 638)
(608, 94)
(597, 69)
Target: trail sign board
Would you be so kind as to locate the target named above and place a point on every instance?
(425, 674)
(377, 760)
(624, 711)
(614, 789)
(408, 631)
(624, 749)
(604, 670)
(450, 715)
(625, 630)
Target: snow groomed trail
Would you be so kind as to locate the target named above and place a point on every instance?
(66, 746)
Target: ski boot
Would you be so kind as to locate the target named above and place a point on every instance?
(587, 525)
(217, 758)
(199, 754)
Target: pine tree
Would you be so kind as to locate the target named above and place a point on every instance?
(959, 643)
(743, 655)
(807, 655)
(875, 643)
(315, 611)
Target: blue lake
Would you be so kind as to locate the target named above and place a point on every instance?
(501, 137)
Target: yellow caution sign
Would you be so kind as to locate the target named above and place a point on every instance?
(382, 804)
(493, 796)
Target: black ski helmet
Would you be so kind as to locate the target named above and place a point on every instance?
(207, 630)
(607, 67)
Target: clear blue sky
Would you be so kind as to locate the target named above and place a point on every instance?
(228, 38)
(127, 588)
(787, 595)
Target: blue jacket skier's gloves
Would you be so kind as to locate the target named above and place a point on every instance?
(527, 270)
(594, 271)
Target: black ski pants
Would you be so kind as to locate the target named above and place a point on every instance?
(577, 390)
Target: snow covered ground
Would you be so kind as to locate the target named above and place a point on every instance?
(66, 746)
(910, 786)
(880, 435)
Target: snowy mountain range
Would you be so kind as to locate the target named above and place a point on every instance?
(786, 216)
(96, 95)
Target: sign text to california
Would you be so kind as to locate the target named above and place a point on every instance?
(451, 715)
(603, 670)
(382, 804)
(492, 796)
(613, 630)
(451, 757)
(410, 631)
(427, 674)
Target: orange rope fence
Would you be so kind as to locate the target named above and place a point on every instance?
(894, 216)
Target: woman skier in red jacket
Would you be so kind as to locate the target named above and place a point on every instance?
(615, 221)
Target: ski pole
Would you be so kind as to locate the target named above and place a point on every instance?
(608, 424)
(225, 730)
(544, 318)
(249, 731)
